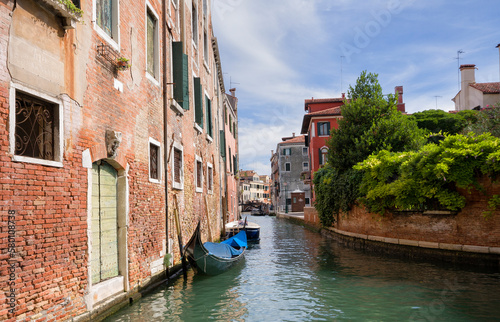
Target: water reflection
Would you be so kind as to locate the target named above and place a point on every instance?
(294, 274)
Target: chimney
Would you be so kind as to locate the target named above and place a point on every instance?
(293, 134)
(233, 91)
(343, 95)
(399, 92)
(468, 77)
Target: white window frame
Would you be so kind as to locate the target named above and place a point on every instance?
(115, 40)
(323, 157)
(154, 78)
(195, 26)
(198, 159)
(177, 185)
(210, 174)
(59, 132)
(305, 151)
(305, 166)
(159, 158)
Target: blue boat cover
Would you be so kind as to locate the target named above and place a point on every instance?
(226, 248)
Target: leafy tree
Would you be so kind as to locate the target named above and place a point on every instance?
(370, 122)
(436, 121)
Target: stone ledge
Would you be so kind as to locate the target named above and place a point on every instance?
(421, 244)
(475, 249)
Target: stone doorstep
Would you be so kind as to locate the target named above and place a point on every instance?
(422, 244)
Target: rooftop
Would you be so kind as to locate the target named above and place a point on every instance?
(487, 88)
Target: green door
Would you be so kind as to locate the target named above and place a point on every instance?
(104, 222)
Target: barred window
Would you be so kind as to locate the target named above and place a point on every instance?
(199, 174)
(36, 129)
(178, 174)
(154, 161)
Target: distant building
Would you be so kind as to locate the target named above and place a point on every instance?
(474, 95)
(289, 163)
(254, 188)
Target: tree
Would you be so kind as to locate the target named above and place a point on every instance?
(436, 121)
(488, 120)
(370, 122)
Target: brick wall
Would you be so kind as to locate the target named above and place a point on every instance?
(468, 227)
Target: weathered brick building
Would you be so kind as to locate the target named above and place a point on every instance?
(108, 109)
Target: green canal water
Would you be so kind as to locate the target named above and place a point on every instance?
(294, 274)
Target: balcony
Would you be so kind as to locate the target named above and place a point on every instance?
(69, 13)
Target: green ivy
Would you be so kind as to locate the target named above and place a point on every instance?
(428, 178)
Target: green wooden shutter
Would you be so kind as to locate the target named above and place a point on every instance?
(222, 144)
(180, 69)
(208, 106)
(328, 128)
(320, 157)
(198, 102)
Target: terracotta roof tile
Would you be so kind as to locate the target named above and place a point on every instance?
(328, 111)
(487, 88)
(297, 139)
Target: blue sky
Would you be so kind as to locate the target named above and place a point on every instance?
(277, 53)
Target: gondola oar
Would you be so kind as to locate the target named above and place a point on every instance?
(179, 237)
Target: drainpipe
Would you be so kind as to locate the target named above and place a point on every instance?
(165, 119)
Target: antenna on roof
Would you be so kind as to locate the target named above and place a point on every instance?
(341, 83)
(436, 96)
(458, 58)
(231, 82)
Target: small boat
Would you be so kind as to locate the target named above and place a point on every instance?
(215, 258)
(252, 229)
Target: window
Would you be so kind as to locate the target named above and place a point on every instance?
(287, 151)
(235, 165)
(230, 160)
(152, 52)
(323, 128)
(208, 106)
(180, 77)
(305, 166)
(198, 103)
(194, 26)
(307, 201)
(154, 161)
(222, 135)
(304, 151)
(178, 166)
(323, 155)
(106, 20)
(287, 166)
(210, 177)
(205, 47)
(36, 127)
(199, 174)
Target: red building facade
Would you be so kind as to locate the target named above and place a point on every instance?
(321, 117)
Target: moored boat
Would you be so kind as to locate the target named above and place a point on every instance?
(252, 229)
(215, 258)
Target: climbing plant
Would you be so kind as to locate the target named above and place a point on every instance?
(429, 178)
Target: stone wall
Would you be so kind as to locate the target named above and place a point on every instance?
(468, 227)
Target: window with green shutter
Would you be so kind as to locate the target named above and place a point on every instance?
(208, 106)
(222, 135)
(181, 78)
(198, 102)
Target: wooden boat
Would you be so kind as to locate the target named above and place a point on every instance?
(215, 258)
(252, 229)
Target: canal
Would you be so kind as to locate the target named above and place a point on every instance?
(295, 274)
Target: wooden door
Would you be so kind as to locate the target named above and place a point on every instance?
(104, 226)
(298, 201)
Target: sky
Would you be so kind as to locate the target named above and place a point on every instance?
(278, 53)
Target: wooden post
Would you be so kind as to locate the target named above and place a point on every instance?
(179, 236)
(208, 220)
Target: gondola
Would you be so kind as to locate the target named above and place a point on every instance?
(252, 229)
(215, 258)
